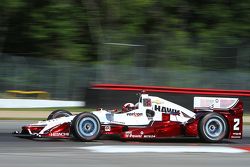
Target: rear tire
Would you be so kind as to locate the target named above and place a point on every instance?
(58, 114)
(86, 127)
(212, 128)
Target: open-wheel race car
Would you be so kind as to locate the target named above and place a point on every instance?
(212, 119)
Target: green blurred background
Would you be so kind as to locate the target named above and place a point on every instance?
(63, 46)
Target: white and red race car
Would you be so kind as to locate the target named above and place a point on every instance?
(212, 119)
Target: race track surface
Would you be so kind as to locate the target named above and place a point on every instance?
(114, 153)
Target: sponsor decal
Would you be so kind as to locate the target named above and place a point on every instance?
(212, 106)
(167, 110)
(136, 136)
(149, 136)
(107, 128)
(129, 134)
(237, 134)
(157, 101)
(225, 103)
(134, 114)
(150, 118)
(109, 116)
(116, 122)
(56, 134)
(147, 102)
(206, 102)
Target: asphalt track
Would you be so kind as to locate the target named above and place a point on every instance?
(37, 153)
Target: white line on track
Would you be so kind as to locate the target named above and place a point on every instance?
(161, 149)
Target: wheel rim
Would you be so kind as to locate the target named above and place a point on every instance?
(214, 128)
(88, 127)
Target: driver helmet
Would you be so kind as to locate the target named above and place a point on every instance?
(128, 107)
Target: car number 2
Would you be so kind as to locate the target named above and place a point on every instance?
(236, 124)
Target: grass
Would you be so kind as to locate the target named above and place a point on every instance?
(24, 119)
(71, 109)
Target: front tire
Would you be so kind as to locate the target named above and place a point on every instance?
(213, 128)
(86, 126)
(58, 114)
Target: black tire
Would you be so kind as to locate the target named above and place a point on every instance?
(58, 114)
(86, 127)
(212, 128)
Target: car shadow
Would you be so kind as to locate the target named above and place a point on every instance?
(169, 140)
(179, 140)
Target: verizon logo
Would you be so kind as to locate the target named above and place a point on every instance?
(134, 114)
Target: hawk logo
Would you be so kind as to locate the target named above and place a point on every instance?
(166, 110)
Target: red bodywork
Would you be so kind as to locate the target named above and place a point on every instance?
(156, 129)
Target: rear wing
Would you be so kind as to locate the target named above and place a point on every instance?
(221, 103)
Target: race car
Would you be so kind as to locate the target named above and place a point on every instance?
(212, 119)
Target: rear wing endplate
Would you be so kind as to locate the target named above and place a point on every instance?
(214, 103)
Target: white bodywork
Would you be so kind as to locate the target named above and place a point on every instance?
(53, 122)
(139, 117)
(211, 103)
(156, 105)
